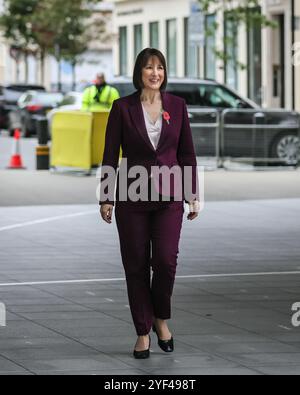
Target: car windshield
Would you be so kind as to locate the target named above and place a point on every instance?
(195, 94)
(48, 98)
(14, 92)
(218, 96)
(205, 95)
(71, 100)
(12, 96)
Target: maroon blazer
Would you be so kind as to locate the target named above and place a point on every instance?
(126, 128)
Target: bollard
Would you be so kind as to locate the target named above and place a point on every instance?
(42, 157)
(42, 150)
(42, 129)
(259, 120)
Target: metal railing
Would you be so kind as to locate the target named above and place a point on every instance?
(205, 125)
(247, 136)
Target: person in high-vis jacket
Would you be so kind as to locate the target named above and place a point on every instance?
(99, 96)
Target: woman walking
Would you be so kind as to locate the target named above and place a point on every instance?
(152, 127)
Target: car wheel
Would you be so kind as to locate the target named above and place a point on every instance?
(287, 148)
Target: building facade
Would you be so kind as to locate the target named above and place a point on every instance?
(296, 60)
(270, 79)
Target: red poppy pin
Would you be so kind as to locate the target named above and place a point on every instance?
(166, 116)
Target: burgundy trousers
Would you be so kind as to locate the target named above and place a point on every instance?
(149, 234)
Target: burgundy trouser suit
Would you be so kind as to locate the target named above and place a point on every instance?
(149, 232)
(149, 237)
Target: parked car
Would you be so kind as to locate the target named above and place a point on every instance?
(278, 137)
(9, 96)
(35, 103)
(71, 101)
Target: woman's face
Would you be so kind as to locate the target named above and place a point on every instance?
(153, 74)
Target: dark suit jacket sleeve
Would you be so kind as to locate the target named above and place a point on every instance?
(112, 148)
(186, 157)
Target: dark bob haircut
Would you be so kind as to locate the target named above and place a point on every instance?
(141, 62)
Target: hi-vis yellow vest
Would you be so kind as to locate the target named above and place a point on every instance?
(107, 97)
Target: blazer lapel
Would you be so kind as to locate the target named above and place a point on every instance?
(137, 116)
(164, 130)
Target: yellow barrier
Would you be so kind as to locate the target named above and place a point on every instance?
(78, 139)
(71, 139)
(98, 139)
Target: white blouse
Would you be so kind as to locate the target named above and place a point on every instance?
(153, 129)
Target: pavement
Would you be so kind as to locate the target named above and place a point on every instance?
(62, 281)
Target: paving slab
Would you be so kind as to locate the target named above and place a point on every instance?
(231, 314)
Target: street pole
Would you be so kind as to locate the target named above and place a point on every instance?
(58, 59)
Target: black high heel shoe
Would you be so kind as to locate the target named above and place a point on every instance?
(144, 354)
(165, 345)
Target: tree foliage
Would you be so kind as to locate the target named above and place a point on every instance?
(55, 27)
(237, 12)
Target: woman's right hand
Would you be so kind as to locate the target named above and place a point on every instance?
(106, 211)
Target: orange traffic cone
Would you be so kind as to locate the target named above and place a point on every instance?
(16, 159)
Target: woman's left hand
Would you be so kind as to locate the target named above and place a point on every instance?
(194, 210)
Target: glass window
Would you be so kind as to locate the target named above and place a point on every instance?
(25, 98)
(12, 96)
(123, 50)
(191, 54)
(154, 35)
(210, 45)
(189, 92)
(138, 40)
(255, 63)
(218, 96)
(231, 51)
(124, 89)
(47, 98)
(68, 100)
(206, 95)
(172, 47)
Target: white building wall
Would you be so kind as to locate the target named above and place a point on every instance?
(297, 56)
(270, 46)
(133, 12)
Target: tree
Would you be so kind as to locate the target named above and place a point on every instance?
(239, 12)
(54, 27)
(16, 26)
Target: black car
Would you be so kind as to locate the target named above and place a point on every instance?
(9, 96)
(225, 123)
(33, 104)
